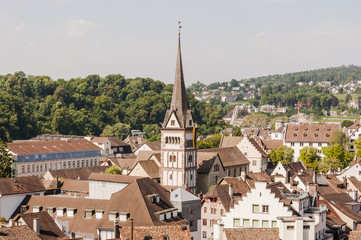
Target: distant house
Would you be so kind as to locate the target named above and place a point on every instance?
(14, 190)
(353, 104)
(135, 141)
(111, 145)
(229, 98)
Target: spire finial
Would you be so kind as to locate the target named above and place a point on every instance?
(179, 27)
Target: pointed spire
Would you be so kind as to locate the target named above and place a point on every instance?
(179, 98)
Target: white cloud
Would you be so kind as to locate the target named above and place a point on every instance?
(76, 29)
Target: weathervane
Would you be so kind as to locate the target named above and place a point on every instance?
(179, 24)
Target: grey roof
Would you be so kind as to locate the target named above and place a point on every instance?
(182, 195)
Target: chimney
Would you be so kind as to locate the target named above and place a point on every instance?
(230, 191)
(354, 195)
(314, 177)
(345, 182)
(36, 225)
(116, 229)
(73, 235)
(287, 176)
(11, 222)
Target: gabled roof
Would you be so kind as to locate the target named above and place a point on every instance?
(124, 162)
(155, 146)
(205, 161)
(339, 201)
(20, 185)
(77, 173)
(74, 185)
(221, 192)
(230, 141)
(182, 195)
(318, 133)
(294, 167)
(112, 178)
(356, 125)
(48, 228)
(18, 233)
(135, 200)
(259, 177)
(272, 143)
(258, 147)
(230, 156)
(355, 182)
(116, 142)
(150, 167)
(250, 132)
(58, 146)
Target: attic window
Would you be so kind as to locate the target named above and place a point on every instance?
(112, 215)
(316, 135)
(317, 129)
(305, 135)
(296, 128)
(123, 216)
(50, 210)
(306, 128)
(37, 209)
(327, 135)
(60, 211)
(99, 214)
(70, 212)
(328, 129)
(88, 213)
(295, 135)
(172, 122)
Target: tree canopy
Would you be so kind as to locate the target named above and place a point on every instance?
(282, 154)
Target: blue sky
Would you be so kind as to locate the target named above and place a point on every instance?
(221, 40)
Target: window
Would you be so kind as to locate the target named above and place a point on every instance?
(77, 163)
(204, 222)
(265, 224)
(306, 227)
(274, 224)
(204, 234)
(292, 144)
(69, 164)
(228, 172)
(23, 168)
(73, 164)
(290, 227)
(254, 162)
(28, 168)
(32, 168)
(45, 166)
(310, 144)
(255, 208)
(205, 210)
(191, 223)
(301, 144)
(245, 153)
(236, 222)
(64, 165)
(245, 222)
(234, 172)
(41, 167)
(320, 144)
(87, 163)
(190, 122)
(265, 208)
(190, 158)
(191, 211)
(172, 122)
(37, 168)
(170, 177)
(222, 212)
(255, 223)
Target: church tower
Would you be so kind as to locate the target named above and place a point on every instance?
(178, 138)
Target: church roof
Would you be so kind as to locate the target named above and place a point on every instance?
(179, 97)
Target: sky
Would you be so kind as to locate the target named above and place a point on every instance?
(221, 40)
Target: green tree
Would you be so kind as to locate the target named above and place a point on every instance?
(309, 156)
(152, 132)
(237, 132)
(282, 154)
(336, 155)
(210, 142)
(6, 162)
(113, 170)
(348, 98)
(347, 123)
(339, 137)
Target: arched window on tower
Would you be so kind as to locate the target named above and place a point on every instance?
(170, 177)
(190, 158)
(166, 139)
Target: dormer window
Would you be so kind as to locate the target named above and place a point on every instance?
(88, 213)
(60, 211)
(112, 215)
(37, 209)
(295, 135)
(316, 135)
(190, 122)
(123, 216)
(175, 213)
(305, 135)
(161, 217)
(327, 135)
(99, 214)
(70, 212)
(50, 210)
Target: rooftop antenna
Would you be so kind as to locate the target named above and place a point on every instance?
(179, 27)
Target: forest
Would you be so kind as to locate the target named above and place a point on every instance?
(112, 105)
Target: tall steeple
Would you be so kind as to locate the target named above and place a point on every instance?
(179, 97)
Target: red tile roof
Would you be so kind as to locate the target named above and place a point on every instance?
(252, 233)
(317, 133)
(77, 173)
(18, 233)
(21, 185)
(58, 146)
(230, 156)
(112, 178)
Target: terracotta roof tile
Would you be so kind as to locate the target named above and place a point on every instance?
(58, 146)
(77, 173)
(21, 185)
(150, 167)
(18, 233)
(310, 132)
(230, 141)
(112, 178)
(230, 156)
(48, 228)
(272, 143)
(252, 233)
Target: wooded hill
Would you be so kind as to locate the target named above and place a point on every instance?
(31, 105)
